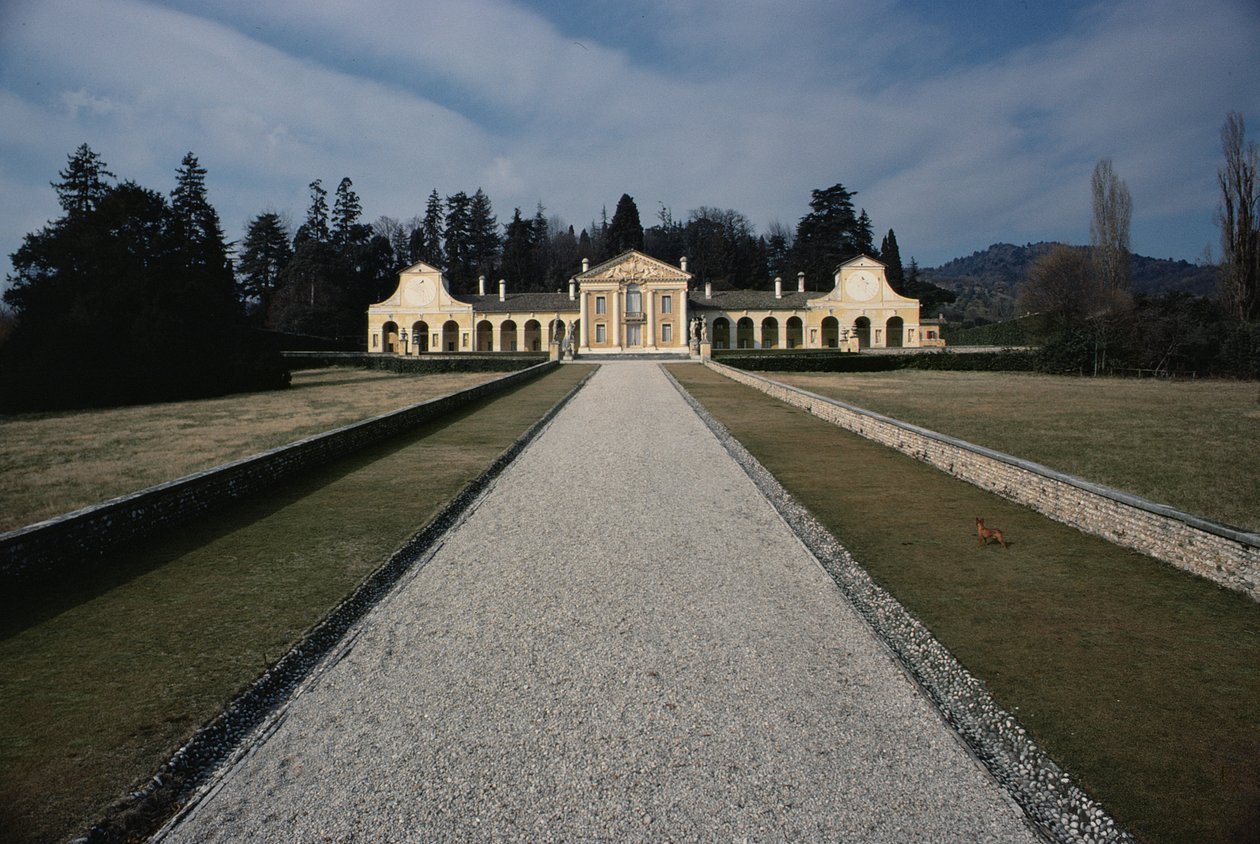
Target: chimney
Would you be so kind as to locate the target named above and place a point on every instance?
(502, 290)
(572, 290)
(481, 285)
(708, 290)
(778, 287)
(800, 282)
(586, 264)
(682, 263)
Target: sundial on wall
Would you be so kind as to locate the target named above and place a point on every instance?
(861, 285)
(419, 292)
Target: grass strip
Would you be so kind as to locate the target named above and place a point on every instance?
(104, 677)
(1138, 678)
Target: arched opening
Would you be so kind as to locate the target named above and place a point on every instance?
(389, 334)
(721, 333)
(744, 333)
(450, 336)
(830, 332)
(769, 333)
(532, 341)
(484, 340)
(896, 332)
(507, 336)
(420, 337)
(795, 333)
(862, 328)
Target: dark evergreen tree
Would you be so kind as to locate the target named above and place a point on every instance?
(827, 236)
(625, 231)
(565, 260)
(196, 224)
(263, 254)
(316, 225)
(667, 240)
(864, 236)
(518, 247)
(312, 296)
(890, 255)
(586, 249)
(347, 229)
(427, 246)
(82, 184)
(543, 273)
(483, 233)
(124, 300)
(457, 235)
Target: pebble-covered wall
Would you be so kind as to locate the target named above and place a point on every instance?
(1225, 555)
(42, 549)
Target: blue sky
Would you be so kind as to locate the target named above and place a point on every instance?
(959, 124)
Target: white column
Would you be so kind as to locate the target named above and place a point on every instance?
(682, 331)
(583, 324)
(650, 313)
(496, 337)
(756, 334)
(616, 318)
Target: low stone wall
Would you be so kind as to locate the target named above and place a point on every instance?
(417, 364)
(45, 548)
(1225, 555)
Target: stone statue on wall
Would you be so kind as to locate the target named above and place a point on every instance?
(704, 330)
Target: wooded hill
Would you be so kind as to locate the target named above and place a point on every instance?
(987, 282)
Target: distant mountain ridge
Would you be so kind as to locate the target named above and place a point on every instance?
(1008, 263)
(986, 282)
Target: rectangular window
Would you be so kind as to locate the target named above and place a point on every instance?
(667, 330)
(667, 304)
(599, 331)
(601, 305)
(376, 341)
(465, 341)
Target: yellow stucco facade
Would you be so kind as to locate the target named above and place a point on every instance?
(634, 303)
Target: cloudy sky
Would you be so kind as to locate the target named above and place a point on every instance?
(959, 123)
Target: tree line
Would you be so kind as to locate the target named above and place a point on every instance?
(129, 296)
(321, 279)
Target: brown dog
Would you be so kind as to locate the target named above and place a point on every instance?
(986, 534)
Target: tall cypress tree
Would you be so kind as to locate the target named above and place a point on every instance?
(890, 254)
(625, 231)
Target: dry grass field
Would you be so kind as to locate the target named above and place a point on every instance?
(1189, 444)
(51, 463)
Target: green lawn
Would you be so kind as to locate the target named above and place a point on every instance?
(102, 679)
(1189, 444)
(1139, 678)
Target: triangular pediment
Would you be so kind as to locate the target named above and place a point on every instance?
(421, 267)
(633, 265)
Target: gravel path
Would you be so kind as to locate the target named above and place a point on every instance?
(622, 641)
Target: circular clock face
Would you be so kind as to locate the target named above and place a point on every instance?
(419, 293)
(861, 285)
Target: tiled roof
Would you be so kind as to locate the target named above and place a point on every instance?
(752, 300)
(519, 302)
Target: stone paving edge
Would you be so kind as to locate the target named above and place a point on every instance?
(144, 811)
(1058, 809)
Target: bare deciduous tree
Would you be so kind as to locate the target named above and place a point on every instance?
(1109, 229)
(1239, 218)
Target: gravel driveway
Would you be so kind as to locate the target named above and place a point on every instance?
(622, 641)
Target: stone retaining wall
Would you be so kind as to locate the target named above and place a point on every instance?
(417, 364)
(1225, 555)
(45, 548)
